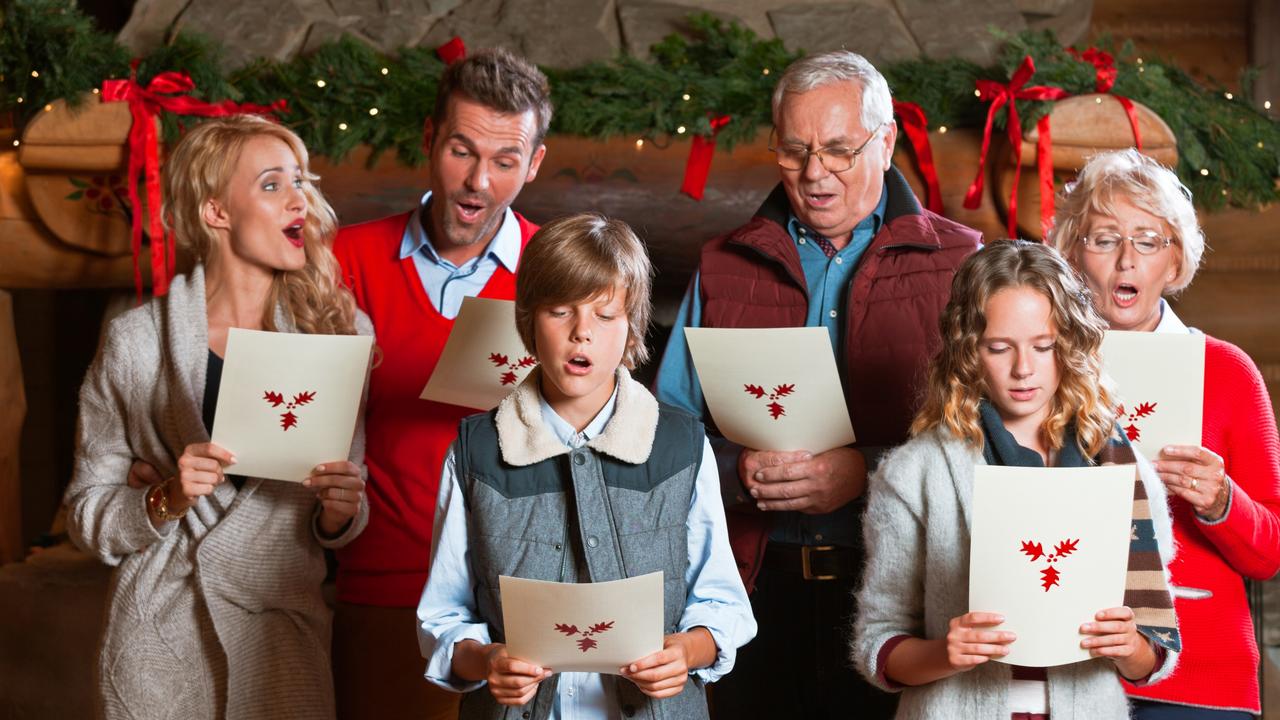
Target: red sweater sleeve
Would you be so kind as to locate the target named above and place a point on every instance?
(1239, 425)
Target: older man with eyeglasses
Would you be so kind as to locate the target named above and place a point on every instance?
(842, 243)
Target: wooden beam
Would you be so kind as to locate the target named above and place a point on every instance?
(13, 400)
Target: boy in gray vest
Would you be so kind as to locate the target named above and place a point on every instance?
(580, 475)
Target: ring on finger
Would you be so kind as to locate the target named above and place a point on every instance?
(1194, 482)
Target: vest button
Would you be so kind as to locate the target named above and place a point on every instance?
(558, 547)
(525, 715)
(579, 459)
(592, 541)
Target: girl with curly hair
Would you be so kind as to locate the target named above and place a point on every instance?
(1015, 383)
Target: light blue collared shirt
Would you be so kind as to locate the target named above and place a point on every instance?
(447, 284)
(716, 599)
(827, 281)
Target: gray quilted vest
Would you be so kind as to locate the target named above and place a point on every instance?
(581, 517)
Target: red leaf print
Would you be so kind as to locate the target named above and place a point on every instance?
(303, 398)
(1132, 432)
(508, 378)
(784, 390)
(497, 359)
(754, 390)
(275, 398)
(1145, 409)
(1066, 547)
(1034, 550)
(288, 420)
(600, 627)
(776, 410)
(528, 361)
(567, 629)
(1049, 577)
(586, 643)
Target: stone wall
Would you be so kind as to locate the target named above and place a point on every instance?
(567, 33)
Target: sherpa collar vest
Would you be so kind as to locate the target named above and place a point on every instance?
(606, 511)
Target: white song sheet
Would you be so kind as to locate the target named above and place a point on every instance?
(289, 401)
(582, 627)
(483, 359)
(773, 388)
(1049, 549)
(1160, 381)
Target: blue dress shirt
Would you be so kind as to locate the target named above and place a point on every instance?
(447, 284)
(716, 600)
(827, 280)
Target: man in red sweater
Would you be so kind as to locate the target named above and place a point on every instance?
(410, 272)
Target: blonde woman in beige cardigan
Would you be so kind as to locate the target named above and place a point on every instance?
(215, 609)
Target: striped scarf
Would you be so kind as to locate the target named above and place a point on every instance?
(1146, 588)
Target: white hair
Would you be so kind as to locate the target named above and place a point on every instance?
(1147, 184)
(836, 66)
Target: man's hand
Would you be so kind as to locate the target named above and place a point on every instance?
(801, 481)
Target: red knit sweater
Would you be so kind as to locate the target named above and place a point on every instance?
(406, 438)
(1219, 663)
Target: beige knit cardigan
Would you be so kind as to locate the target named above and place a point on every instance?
(220, 614)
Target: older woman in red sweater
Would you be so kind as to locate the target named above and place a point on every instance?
(1129, 227)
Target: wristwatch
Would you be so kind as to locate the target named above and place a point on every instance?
(158, 503)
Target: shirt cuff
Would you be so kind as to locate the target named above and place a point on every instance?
(726, 646)
(882, 657)
(440, 658)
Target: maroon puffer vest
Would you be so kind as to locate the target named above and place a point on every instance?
(752, 277)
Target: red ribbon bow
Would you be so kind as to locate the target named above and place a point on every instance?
(1105, 79)
(916, 127)
(144, 153)
(698, 166)
(452, 51)
(999, 96)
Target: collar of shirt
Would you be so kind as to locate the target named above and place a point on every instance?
(505, 246)
(1169, 320)
(869, 226)
(565, 433)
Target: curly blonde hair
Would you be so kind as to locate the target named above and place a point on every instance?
(955, 384)
(199, 169)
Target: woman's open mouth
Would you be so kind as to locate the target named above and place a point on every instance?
(293, 232)
(1125, 294)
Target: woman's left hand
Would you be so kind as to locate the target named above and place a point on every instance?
(1114, 634)
(339, 489)
(1196, 475)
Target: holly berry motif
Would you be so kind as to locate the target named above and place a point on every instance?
(585, 640)
(776, 410)
(509, 377)
(1132, 431)
(288, 419)
(1049, 575)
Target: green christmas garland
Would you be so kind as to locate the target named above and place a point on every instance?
(346, 94)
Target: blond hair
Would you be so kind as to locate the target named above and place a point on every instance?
(580, 257)
(200, 168)
(1147, 184)
(955, 384)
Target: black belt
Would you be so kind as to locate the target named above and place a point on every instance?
(813, 562)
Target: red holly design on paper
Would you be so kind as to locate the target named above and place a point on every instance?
(288, 419)
(1049, 575)
(585, 640)
(776, 410)
(509, 377)
(1132, 431)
